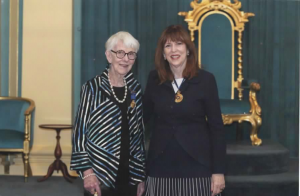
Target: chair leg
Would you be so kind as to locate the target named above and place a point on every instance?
(255, 123)
(29, 169)
(255, 110)
(253, 119)
(26, 166)
(7, 163)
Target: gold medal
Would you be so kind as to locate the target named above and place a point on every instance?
(132, 104)
(178, 97)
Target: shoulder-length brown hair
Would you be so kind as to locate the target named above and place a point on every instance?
(175, 33)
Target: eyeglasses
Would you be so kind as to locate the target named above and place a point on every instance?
(121, 53)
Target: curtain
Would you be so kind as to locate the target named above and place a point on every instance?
(271, 55)
(270, 51)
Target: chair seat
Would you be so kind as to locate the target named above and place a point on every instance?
(11, 139)
(229, 106)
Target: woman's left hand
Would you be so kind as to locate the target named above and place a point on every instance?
(140, 188)
(217, 183)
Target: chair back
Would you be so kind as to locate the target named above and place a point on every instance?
(13, 112)
(216, 27)
(216, 49)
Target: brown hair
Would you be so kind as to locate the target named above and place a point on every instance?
(175, 33)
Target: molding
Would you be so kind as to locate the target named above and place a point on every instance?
(40, 159)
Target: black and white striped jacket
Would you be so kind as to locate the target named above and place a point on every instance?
(96, 136)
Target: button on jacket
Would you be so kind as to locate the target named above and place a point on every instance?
(196, 122)
(97, 133)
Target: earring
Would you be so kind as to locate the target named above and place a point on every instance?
(165, 57)
(187, 53)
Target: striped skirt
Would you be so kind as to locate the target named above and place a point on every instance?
(178, 186)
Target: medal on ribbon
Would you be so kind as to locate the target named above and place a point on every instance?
(178, 95)
(133, 97)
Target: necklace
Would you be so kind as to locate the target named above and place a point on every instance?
(112, 89)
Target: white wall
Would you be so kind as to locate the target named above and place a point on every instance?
(47, 75)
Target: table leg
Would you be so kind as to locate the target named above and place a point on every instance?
(65, 173)
(64, 168)
(49, 173)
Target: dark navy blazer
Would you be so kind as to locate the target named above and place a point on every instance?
(196, 122)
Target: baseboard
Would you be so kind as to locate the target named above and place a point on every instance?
(40, 158)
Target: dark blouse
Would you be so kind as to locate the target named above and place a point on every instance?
(122, 181)
(123, 171)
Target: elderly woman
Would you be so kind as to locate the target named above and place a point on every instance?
(108, 138)
(187, 149)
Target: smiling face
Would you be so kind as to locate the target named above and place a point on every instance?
(176, 54)
(120, 66)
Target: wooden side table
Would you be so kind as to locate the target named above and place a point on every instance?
(57, 164)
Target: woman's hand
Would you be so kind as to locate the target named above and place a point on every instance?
(217, 183)
(91, 183)
(140, 188)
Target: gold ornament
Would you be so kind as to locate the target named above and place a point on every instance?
(178, 97)
(132, 104)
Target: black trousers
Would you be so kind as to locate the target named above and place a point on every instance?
(128, 190)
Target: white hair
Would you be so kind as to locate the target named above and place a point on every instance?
(127, 39)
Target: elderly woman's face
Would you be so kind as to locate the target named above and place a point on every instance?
(121, 65)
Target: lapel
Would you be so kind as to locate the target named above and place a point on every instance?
(185, 85)
(105, 86)
(189, 82)
(131, 87)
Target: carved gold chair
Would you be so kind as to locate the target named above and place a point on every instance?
(216, 27)
(16, 127)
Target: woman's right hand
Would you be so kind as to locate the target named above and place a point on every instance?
(91, 183)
